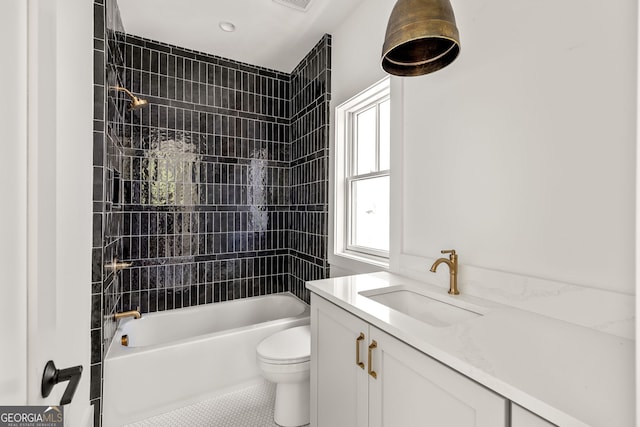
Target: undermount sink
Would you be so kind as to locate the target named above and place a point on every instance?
(420, 307)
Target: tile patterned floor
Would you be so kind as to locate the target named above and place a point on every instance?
(248, 407)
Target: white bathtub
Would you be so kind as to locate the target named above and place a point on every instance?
(179, 357)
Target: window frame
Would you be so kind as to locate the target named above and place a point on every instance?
(346, 171)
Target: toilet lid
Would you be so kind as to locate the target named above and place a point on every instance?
(288, 346)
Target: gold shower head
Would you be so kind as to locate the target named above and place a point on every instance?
(135, 101)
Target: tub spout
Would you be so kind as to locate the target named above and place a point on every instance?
(132, 313)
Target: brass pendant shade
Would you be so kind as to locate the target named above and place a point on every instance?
(421, 37)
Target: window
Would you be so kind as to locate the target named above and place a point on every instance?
(362, 175)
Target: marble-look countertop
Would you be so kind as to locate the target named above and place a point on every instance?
(568, 374)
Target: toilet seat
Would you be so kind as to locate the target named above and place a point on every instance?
(287, 347)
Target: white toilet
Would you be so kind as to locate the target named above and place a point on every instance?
(283, 358)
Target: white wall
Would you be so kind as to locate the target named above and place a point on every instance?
(356, 46)
(521, 154)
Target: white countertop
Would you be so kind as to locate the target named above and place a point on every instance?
(565, 373)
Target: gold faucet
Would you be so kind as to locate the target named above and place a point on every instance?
(452, 262)
(133, 313)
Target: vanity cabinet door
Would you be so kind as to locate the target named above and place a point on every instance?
(520, 417)
(338, 384)
(412, 389)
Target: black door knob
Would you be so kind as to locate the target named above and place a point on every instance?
(53, 376)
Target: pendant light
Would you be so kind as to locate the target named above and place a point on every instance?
(421, 37)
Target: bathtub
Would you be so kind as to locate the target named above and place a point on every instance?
(179, 357)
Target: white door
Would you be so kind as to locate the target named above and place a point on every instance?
(46, 191)
(338, 383)
(412, 389)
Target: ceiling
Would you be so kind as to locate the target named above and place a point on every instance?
(267, 33)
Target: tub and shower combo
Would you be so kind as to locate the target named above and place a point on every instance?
(179, 357)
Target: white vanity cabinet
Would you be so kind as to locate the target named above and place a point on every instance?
(339, 388)
(362, 376)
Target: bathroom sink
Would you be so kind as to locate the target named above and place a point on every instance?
(419, 306)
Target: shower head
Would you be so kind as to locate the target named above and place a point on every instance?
(135, 101)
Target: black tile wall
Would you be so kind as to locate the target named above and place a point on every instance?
(109, 115)
(216, 190)
(205, 175)
(310, 97)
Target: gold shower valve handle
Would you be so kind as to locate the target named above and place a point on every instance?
(116, 266)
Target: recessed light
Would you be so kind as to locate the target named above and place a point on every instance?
(227, 26)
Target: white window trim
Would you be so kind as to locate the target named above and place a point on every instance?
(343, 131)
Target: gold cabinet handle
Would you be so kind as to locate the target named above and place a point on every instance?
(358, 362)
(372, 347)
